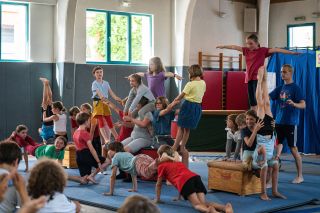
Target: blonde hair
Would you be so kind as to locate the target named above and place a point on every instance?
(166, 149)
(241, 119)
(288, 67)
(159, 66)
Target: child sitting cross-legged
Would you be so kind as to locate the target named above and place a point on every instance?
(47, 178)
(189, 184)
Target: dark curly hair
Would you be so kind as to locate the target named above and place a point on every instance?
(46, 178)
(137, 204)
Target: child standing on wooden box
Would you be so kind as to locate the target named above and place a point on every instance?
(191, 110)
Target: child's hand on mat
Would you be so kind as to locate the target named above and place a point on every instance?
(108, 194)
(177, 198)
(132, 190)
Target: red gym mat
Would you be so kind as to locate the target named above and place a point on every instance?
(212, 99)
(236, 91)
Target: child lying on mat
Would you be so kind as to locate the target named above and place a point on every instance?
(188, 183)
(139, 165)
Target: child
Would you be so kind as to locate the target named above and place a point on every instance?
(233, 136)
(138, 91)
(46, 131)
(87, 156)
(138, 204)
(94, 129)
(73, 113)
(101, 111)
(141, 135)
(241, 123)
(25, 142)
(16, 193)
(189, 184)
(263, 154)
(140, 165)
(55, 151)
(156, 76)
(49, 179)
(255, 57)
(190, 112)
(59, 119)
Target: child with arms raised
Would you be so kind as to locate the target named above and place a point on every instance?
(156, 76)
(255, 57)
(190, 112)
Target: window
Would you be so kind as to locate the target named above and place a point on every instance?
(118, 38)
(14, 31)
(302, 35)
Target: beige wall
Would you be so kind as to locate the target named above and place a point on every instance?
(282, 14)
(161, 9)
(209, 30)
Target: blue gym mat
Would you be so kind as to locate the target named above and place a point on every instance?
(298, 194)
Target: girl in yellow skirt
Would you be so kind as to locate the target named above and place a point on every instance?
(101, 111)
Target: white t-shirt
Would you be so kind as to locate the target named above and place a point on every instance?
(59, 204)
(61, 124)
(233, 136)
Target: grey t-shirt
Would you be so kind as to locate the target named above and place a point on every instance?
(124, 161)
(11, 197)
(142, 132)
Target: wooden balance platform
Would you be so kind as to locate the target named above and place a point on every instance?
(232, 177)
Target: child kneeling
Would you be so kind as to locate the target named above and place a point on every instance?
(188, 183)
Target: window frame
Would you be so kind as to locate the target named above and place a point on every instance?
(108, 14)
(27, 32)
(301, 25)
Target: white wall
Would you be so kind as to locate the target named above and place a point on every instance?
(161, 9)
(282, 14)
(41, 32)
(208, 30)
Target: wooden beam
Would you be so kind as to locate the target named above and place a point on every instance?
(282, 1)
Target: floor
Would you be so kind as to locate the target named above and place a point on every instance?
(311, 166)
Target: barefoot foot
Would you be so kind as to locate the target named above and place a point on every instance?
(229, 208)
(264, 197)
(91, 179)
(278, 195)
(298, 180)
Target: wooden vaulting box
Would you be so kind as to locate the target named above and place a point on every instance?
(69, 159)
(232, 177)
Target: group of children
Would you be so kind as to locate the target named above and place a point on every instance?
(147, 115)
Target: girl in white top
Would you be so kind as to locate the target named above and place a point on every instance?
(47, 178)
(59, 119)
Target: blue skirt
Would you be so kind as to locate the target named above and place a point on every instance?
(189, 115)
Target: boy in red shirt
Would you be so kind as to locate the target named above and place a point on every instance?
(255, 57)
(87, 156)
(189, 184)
(73, 113)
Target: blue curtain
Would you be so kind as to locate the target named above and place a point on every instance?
(307, 76)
